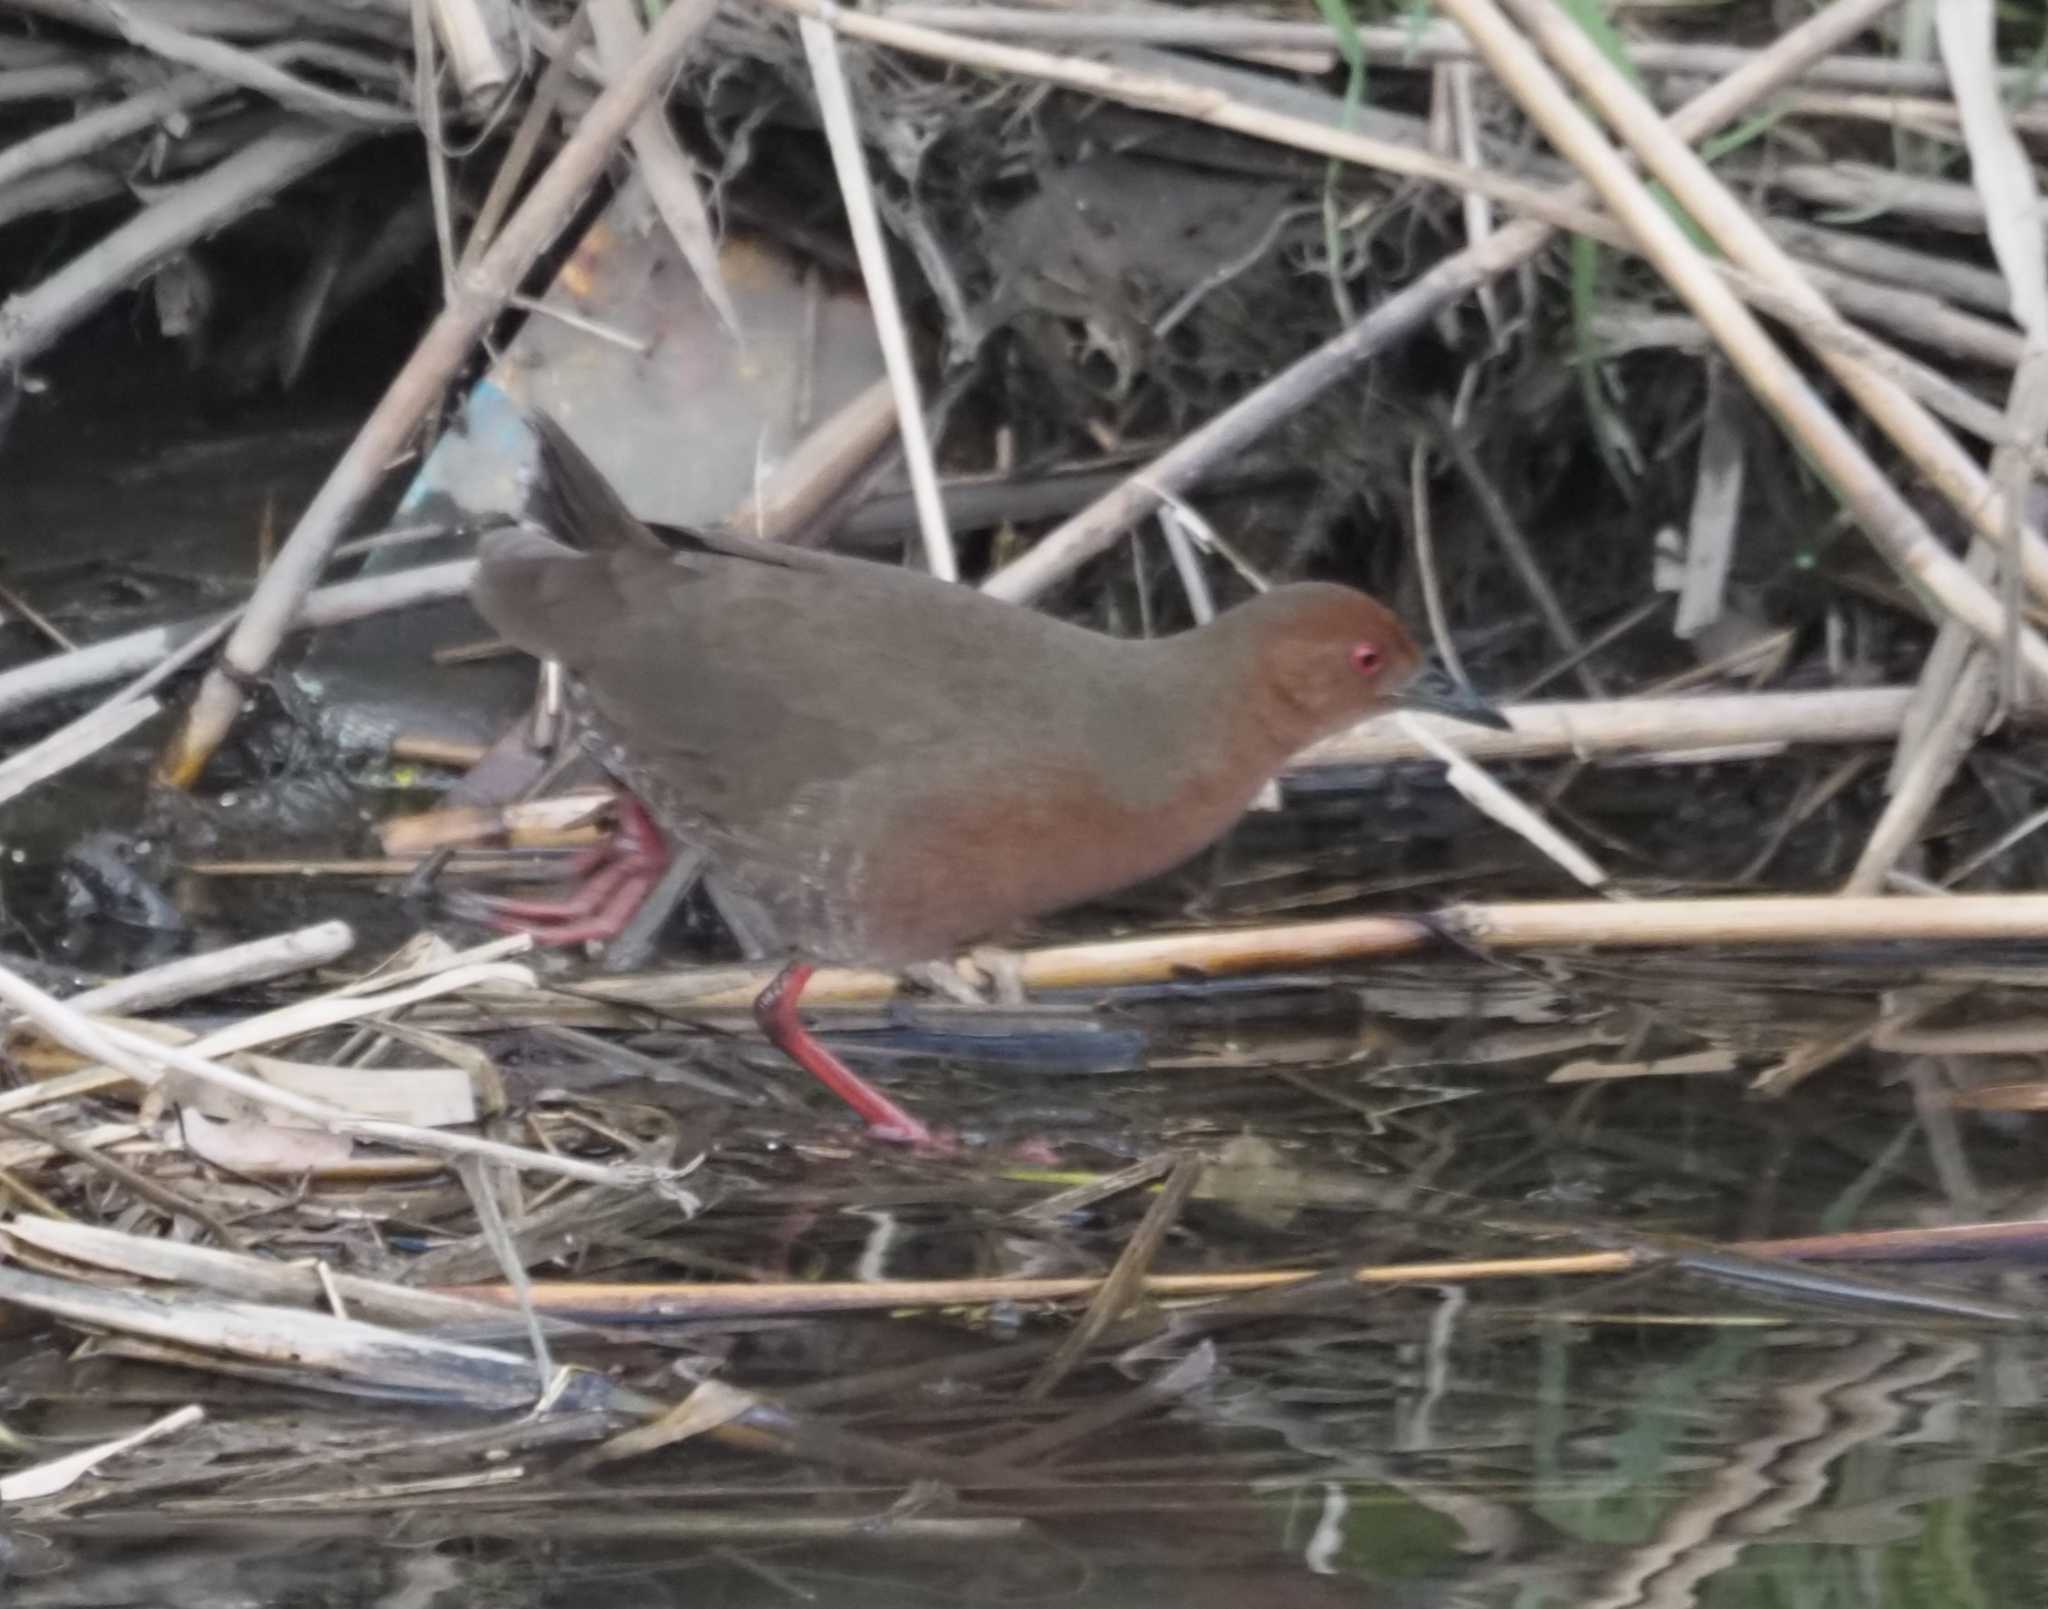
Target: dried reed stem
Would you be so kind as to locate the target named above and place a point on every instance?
(1776, 920)
(479, 296)
(1736, 230)
(1883, 512)
(842, 133)
(1222, 438)
(146, 1061)
(664, 168)
(149, 651)
(706, 1300)
(31, 321)
(1669, 728)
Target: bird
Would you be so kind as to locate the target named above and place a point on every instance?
(888, 766)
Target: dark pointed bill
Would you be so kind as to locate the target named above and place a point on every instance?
(1435, 692)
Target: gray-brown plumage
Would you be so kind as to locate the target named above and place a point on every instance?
(894, 766)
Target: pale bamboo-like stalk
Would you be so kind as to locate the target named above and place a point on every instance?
(1956, 697)
(819, 467)
(1981, 289)
(842, 134)
(1776, 920)
(1944, 203)
(74, 743)
(1922, 115)
(146, 1060)
(1665, 727)
(147, 651)
(1948, 686)
(93, 131)
(479, 295)
(234, 966)
(1936, 757)
(525, 141)
(1174, 97)
(1493, 799)
(1939, 671)
(426, 101)
(1951, 690)
(52, 81)
(32, 320)
(1883, 512)
(263, 74)
(1402, 45)
(470, 31)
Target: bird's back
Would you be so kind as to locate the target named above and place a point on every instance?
(877, 756)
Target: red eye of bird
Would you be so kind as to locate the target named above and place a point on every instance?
(1365, 659)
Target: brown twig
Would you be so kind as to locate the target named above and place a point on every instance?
(1507, 534)
(1124, 1281)
(679, 1300)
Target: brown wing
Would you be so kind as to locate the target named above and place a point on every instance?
(745, 684)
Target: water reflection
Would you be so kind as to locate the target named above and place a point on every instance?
(1416, 1449)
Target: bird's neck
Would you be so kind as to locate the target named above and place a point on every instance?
(1232, 727)
(1221, 669)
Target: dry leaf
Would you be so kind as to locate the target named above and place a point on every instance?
(249, 1145)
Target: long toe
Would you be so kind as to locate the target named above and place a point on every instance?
(595, 894)
(597, 910)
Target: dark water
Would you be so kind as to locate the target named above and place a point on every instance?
(1433, 1458)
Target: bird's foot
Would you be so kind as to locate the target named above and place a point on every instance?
(946, 980)
(984, 976)
(616, 880)
(1004, 970)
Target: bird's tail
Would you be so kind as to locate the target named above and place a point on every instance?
(571, 498)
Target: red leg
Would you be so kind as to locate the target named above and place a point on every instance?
(775, 1011)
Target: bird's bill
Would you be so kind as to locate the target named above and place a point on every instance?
(1435, 692)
